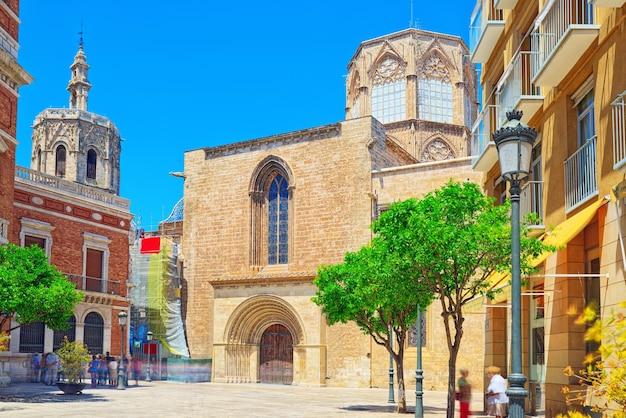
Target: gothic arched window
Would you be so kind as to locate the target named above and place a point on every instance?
(60, 161)
(389, 92)
(91, 164)
(435, 91)
(39, 160)
(278, 222)
(271, 189)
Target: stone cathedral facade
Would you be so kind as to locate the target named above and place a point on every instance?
(262, 215)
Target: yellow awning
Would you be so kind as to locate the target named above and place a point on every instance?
(567, 230)
(558, 237)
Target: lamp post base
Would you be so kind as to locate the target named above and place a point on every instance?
(121, 379)
(517, 395)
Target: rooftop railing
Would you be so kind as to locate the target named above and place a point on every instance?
(71, 187)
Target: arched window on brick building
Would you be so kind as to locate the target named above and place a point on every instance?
(94, 333)
(60, 334)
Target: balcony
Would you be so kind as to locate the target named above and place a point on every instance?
(580, 175)
(563, 31)
(516, 89)
(94, 284)
(486, 26)
(505, 4)
(531, 201)
(483, 148)
(608, 3)
(618, 110)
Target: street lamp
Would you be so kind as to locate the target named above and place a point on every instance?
(514, 142)
(391, 398)
(419, 373)
(122, 316)
(150, 335)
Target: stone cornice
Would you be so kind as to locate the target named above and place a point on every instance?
(14, 70)
(312, 134)
(263, 278)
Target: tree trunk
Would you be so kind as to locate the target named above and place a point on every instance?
(454, 351)
(401, 388)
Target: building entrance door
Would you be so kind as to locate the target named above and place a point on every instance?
(276, 363)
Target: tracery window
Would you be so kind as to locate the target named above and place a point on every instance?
(435, 92)
(91, 164)
(278, 222)
(60, 161)
(271, 190)
(389, 92)
(437, 150)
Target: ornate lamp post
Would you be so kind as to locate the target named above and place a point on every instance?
(514, 142)
(391, 398)
(419, 373)
(122, 316)
(150, 335)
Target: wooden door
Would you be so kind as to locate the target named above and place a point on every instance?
(276, 362)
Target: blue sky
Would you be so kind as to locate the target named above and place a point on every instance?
(177, 76)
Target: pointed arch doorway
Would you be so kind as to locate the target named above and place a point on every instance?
(276, 356)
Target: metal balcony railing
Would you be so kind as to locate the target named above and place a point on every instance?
(580, 175)
(618, 108)
(531, 198)
(94, 284)
(553, 24)
(516, 83)
(486, 24)
(488, 121)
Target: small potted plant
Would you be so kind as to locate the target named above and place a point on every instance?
(73, 356)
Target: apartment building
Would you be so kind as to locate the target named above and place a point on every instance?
(561, 62)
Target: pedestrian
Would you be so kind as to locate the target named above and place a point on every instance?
(93, 371)
(103, 370)
(464, 393)
(44, 367)
(113, 367)
(126, 364)
(497, 400)
(136, 366)
(52, 363)
(108, 359)
(35, 368)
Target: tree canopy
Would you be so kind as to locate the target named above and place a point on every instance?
(372, 289)
(32, 290)
(444, 246)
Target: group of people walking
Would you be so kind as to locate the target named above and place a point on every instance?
(46, 368)
(103, 369)
(497, 400)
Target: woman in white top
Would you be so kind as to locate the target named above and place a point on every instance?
(113, 364)
(497, 400)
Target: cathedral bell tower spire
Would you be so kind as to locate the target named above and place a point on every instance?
(79, 84)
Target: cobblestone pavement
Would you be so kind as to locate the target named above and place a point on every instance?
(168, 399)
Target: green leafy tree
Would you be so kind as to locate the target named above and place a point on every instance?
(445, 246)
(603, 380)
(372, 288)
(456, 239)
(32, 290)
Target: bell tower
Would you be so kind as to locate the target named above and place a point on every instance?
(76, 144)
(79, 84)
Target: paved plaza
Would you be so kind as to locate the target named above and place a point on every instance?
(168, 399)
